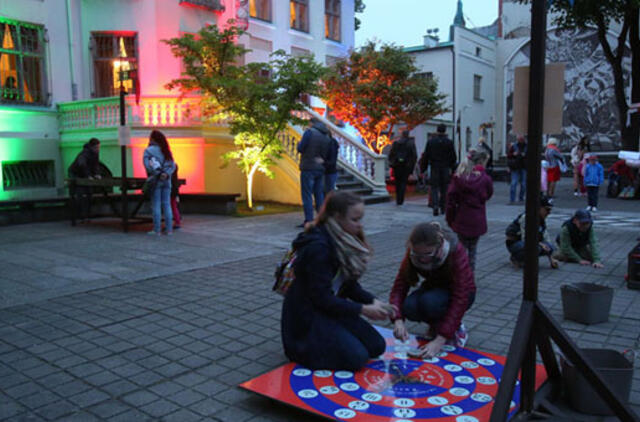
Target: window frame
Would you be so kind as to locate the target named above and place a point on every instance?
(333, 14)
(477, 87)
(97, 92)
(253, 5)
(297, 6)
(37, 75)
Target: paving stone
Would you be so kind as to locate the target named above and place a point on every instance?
(108, 409)
(160, 408)
(140, 398)
(55, 410)
(88, 398)
(119, 388)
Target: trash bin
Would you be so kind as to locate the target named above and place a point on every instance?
(613, 366)
(587, 303)
(633, 268)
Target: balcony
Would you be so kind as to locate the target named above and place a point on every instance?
(156, 111)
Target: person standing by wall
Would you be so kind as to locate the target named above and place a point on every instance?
(175, 199)
(440, 155)
(402, 159)
(469, 190)
(557, 166)
(577, 154)
(158, 161)
(314, 152)
(331, 166)
(593, 178)
(516, 161)
(86, 165)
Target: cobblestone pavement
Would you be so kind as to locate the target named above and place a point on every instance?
(100, 325)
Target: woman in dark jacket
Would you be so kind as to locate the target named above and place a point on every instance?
(446, 292)
(469, 190)
(322, 324)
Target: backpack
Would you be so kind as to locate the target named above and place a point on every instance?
(399, 154)
(284, 273)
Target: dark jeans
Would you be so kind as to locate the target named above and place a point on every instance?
(471, 245)
(518, 176)
(330, 182)
(401, 175)
(429, 305)
(311, 183)
(344, 343)
(517, 251)
(82, 195)
(439, 183)
(592, 195)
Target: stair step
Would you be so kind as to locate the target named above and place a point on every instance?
(376, 199)
(360, 190)
(349, 184)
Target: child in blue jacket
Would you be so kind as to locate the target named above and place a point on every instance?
(593, 178)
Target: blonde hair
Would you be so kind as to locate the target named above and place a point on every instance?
(473, 158)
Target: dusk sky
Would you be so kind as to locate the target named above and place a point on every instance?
(404, 22)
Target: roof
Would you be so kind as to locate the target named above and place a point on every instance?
(425, 48)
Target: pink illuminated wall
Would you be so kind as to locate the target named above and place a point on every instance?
(188, 153)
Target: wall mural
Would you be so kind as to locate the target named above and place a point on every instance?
(590, 106)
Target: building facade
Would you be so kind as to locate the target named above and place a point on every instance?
(61, 65)
(475, 69)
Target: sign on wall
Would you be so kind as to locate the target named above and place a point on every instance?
(553, 99)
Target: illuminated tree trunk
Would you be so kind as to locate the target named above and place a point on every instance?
(250, 175)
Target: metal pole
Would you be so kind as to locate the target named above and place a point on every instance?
(534, 130)
(123, 164)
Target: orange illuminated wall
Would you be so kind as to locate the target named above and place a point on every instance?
(188, 153)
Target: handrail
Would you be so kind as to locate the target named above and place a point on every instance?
(368, 166)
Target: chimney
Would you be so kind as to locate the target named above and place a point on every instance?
(431, 39)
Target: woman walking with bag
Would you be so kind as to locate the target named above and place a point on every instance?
(158, 161)
(469, 190)
(322, 324)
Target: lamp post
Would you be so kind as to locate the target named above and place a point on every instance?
(123, 152)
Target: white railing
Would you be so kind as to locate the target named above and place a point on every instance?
(368, 166)
(151, 111)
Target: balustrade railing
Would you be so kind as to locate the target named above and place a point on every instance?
(151, 111)
(352, 153)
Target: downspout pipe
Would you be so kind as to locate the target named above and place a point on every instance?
(74, 92)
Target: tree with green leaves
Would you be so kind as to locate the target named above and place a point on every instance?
(259, 100)
(600, 14)
(376, 89)
(358, 6)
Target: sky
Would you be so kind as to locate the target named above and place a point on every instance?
(405, 22)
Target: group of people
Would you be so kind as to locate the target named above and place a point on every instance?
(322, 315)
(576, 242)
(318, 167)
(162, 177)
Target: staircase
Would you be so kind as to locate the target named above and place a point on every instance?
(359, 169)
(347, 182)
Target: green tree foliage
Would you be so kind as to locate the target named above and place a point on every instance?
(376, 89)
(257, 99)
(600, 14)
(359, 8)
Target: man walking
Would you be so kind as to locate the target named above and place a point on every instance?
(516, 161)
(402, 159)
(314, 152)
(441, 156)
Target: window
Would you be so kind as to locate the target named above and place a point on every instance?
(478, 51)
(22, 66)
(332, 19)
(260, 9)
(477, 87)
(299, 15)
(425, 75)
(114, 56)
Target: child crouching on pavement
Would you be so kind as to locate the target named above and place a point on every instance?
(447, 290)
(515, 239)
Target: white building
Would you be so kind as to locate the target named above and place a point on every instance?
(59, 81)
(475, 70)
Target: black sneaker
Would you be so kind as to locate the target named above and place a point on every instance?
(435, 212)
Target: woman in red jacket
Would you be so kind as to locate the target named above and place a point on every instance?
(446, 292)
(469, 190)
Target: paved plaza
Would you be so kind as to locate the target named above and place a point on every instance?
(99, 325)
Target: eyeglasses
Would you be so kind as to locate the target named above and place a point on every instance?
(425, 256)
